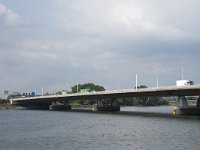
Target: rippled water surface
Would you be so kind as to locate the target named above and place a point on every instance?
(40, 130)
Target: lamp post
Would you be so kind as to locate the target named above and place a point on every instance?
(77, 87)
(182, 74)
(136, 82)
(156, 79)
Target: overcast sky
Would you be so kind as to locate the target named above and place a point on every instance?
(53, 44)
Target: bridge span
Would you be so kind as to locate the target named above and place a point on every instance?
(50, 101)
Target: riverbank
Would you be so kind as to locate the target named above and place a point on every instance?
(6, 105)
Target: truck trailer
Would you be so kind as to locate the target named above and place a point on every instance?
(184, 83)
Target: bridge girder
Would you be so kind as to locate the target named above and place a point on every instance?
(178, 91)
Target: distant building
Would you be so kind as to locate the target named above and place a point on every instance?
(14, 95)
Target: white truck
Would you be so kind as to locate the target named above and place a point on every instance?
(184, 83)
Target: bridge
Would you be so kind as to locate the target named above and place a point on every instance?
(51, 101)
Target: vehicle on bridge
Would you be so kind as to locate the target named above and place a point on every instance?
(184, 83)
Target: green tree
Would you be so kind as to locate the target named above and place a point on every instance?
(90, 86)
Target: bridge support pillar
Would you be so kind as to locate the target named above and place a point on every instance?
(59, 106)
(182, 102)
(110, 105)
(184, 109)
(198, 102)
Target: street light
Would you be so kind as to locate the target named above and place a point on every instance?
(156, 79)
(77, 87)
(136, 84)
(182, 74)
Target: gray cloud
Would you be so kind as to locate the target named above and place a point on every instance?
(106, 42)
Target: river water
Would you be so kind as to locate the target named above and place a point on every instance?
(54, 130)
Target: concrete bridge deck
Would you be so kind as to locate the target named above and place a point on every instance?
(193, 90)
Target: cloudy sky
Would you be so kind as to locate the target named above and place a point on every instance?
(53, 44)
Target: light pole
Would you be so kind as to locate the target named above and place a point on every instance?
(156, 79)
(77, 87)
(136, 82)
(182, 74)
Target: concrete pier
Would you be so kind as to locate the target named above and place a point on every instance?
(184, 109)
(59, 106)
(112, 106)
(198, 102)
(182, 101)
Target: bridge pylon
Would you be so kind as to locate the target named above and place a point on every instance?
(198, 102)
(183, 108)
(106, 105)
(56, 105)
(182, 101)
